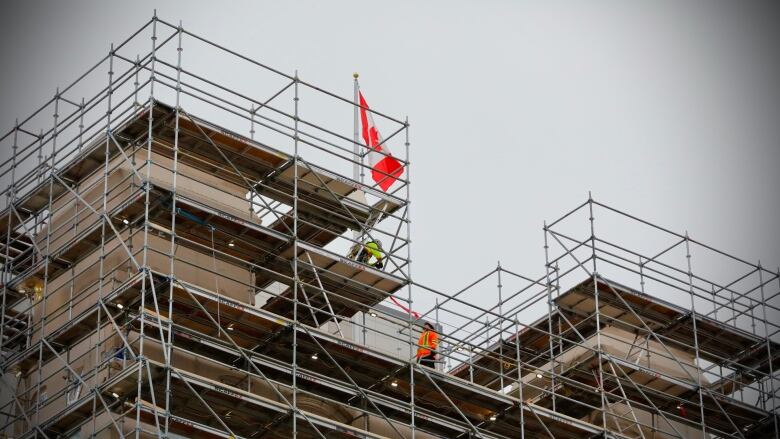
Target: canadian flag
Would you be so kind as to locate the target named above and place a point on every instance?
(385, 169)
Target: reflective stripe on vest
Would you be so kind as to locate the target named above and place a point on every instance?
(428, 341)
(373, 248)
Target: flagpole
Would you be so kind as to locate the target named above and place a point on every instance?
(355, 144)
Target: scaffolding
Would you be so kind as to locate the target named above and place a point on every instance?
(165, 275)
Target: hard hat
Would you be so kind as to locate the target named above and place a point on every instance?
(378, 243)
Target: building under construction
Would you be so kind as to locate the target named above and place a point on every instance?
(174, 265)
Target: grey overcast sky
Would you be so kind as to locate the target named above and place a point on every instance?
(666, 109)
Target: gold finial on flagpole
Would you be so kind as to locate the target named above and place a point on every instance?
(355, 75)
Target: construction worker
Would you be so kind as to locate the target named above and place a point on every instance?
(427, 346)
(370, 254)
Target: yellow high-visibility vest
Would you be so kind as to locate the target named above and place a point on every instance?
(374, 250)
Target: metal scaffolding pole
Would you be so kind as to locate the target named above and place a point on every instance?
(269, 215)
(296, 280)
(597, 313)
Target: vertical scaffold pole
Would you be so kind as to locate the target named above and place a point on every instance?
(146, 276)
(519, 378)
(42, 296)
(557, 289)
(695, 336)
(597, 313)
(76, 216)
(500, 327)
(104, 209)
(549, 313)
(41, 170)
(169, 343)
(715, 316)
(295, 267)
(714, 303)
(251, 133)
(6, 267)
(412, 353)
(136, 104)
(251, 193)
(10, 198)
(768, 350)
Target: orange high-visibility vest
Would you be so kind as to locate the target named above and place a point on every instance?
(429, 341)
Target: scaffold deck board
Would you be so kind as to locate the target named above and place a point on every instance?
(75, 329)
(190, 335)
(264, 333)
(267, 334)
(69, 419)
(62, 257)
(350, 287)
(646, 388)
(242, 161)
(486, 366)
(249, 413)
(718, 343)
(320, 382)
(324, 208)
(237, 237)
(36, 197)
